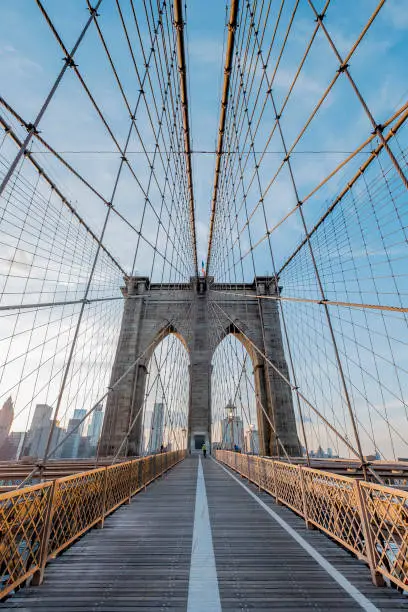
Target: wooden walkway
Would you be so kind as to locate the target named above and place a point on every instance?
(142, 558)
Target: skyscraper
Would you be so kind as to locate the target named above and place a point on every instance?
(70, 448)
(79, 414)
(232, 429)
(36, 439)
(251, 443)
(6, 419)
(156, 434)
(42, 416)
(95, 426)
(11, 448)
(232, 432)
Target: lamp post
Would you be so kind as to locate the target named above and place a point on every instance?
(230, 408)
(184, 431)
(251, 439)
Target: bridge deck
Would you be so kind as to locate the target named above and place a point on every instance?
(144, 559)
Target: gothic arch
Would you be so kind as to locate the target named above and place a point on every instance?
(234, 382)
(185, 310)
(166, 393)
(161, 331)
(239, 330)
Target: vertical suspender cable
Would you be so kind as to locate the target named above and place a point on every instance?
(232, 24)
(68, 62)
(181, 59)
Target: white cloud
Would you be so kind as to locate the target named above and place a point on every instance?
(396, 13)
(208, 51)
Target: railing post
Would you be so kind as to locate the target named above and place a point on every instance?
(258, 463)
(128, 500)
(275, 483)
(376, 577)
(100, 523)
(249, 469)
(132, 470)
(38, 576)
(304, 497)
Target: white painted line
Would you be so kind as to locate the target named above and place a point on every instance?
(345, 584)
(203, 592)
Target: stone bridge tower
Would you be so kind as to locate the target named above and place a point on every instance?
(201, 313)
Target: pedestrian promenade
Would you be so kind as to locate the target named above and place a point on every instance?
(202, 539)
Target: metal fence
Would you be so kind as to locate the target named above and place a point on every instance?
(38, 522)
(368, 519)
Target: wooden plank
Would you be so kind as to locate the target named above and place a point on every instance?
(140, 561)
(260, 567)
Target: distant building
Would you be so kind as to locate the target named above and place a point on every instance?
(232, 429)
(70, 448)
(79, 414)
(374, 457)
(95, 426)
(35, 441)
(42, 416)
(232, 432)
(16, 439)
(85, 449)
(156, 433)
(321, 454)
(251, 441)
(11, 448)
(6, 419)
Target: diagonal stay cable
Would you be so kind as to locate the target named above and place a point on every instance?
(179, 25)
(68, 63)
(29, 155)
(98, 109)
(302, 396)
(88, 413)
(232, 24)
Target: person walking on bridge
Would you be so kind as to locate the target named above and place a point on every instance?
(204, 449)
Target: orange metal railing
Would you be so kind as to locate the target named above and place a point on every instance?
(369, 519)
(38, 522)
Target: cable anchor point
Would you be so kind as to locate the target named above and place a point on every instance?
(70, 62)
(93, 11)
(30, 127)
(342, 68)
(379, 128)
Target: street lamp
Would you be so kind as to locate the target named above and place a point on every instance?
(230, 408)
(251, 438)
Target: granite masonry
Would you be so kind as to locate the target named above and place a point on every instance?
(200, 313)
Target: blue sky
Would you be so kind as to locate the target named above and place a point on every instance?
(30, 59)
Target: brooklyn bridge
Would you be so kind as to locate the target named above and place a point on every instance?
(203, 316)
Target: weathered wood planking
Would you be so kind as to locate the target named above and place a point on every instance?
(141, 559)
(260, 567)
